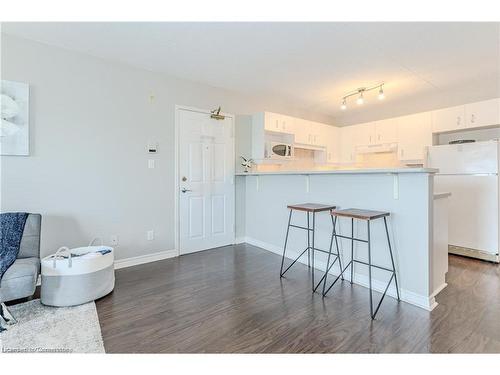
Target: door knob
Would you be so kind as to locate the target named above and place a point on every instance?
(184, 190)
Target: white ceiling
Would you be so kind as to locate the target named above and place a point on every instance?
(425, 65)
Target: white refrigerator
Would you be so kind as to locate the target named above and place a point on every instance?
(470, 173)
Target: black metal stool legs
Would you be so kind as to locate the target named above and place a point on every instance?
(337, 257)
(284, 247)
(308, 242)
(392, 259)
(370, 271)
(352, 250)
(328, 259)
(373, 310)
(311, 247)
(286, 241)
(312, 250)
(393, 272)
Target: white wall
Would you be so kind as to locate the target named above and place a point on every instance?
(91, 121)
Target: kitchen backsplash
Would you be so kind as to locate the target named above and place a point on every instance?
(304, 161)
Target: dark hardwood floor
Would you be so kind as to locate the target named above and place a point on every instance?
(231, 300)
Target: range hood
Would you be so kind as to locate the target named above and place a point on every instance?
(375, 149)
(309, 147)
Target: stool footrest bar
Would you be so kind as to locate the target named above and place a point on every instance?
(298, 226)
(351, 238)
(373, 265)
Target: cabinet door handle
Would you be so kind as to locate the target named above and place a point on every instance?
(473, 119)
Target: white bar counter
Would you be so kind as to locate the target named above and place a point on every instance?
(343, 171)
(407, 193)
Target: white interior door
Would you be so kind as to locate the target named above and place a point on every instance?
(206, 186)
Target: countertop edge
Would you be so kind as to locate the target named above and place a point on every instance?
(346, 171)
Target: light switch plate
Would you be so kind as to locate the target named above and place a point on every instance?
(152, 147)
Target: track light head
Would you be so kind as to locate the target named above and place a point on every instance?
(381, 95)
(360, 99)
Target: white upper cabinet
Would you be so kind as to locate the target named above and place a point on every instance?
(414, 135)
(375, 133)
(386, 131)
(314, 138)
(332, 143)
(271, 121)
(347, 152)
(278, 123)
(310, 133)
(483, 113)
(302, 131)
(320, 133)
(447, 119)
(363, 134)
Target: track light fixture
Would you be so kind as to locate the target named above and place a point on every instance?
(360, 93)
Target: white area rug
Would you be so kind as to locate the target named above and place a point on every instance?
(53, 329)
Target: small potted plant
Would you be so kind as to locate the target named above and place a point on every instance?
(247, 164)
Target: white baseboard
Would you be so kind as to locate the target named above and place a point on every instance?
(427, 303)
(239, 240)
(142, 259)
(439, 289)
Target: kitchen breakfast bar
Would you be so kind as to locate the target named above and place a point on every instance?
(418, 224)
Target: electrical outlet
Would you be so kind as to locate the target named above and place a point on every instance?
(150, 235)
(114, 239)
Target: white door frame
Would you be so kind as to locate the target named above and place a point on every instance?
(176, 167)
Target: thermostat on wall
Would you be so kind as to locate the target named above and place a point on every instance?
(153, 148)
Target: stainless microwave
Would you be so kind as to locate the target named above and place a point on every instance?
(279, 150)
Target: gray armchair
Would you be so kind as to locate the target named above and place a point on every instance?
(19, 281)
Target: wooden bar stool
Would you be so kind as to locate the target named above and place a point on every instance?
(368, 216)
(310, 209)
